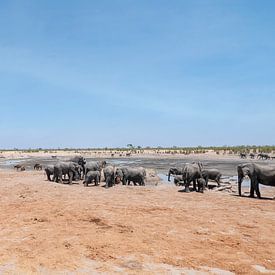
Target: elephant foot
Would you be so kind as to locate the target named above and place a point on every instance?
(186, 190)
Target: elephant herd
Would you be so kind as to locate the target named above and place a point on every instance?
(90, 172)
(194, 172)
(261, 156)
(199, 176)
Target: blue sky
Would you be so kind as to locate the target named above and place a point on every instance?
(108, 73)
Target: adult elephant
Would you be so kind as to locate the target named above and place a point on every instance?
(94, 166)
(174, 171)
(192, 172)
(109, 175)
(80, 161)
(211, 174)
(263, 156)
(257, 174)
(128, 174)
(71, 169)
(37, 166)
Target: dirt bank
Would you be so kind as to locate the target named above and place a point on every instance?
(49, 227)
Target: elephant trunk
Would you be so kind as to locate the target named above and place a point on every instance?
(169, 175)
(240, 180)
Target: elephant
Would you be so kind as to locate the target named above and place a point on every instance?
(263, 156)
(94, 166)
(128, 174)
(80, 161)
(18, 167)
(243, 156)
(252, 156)
(178, 180)
(66, 168)
(201, 184)
(192, 172)
(37, 166)
(257, 174)
(211, 174)
(49, 169)
(174, 171)
(109, 175)
(92, 176)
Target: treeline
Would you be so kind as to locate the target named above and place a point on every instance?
(169, 150)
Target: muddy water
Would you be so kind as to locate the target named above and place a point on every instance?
(228, 167)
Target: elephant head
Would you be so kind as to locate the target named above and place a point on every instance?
(77, 171)
(244, 170)
(118, 175)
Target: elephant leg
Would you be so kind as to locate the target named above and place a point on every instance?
(71, 175)
(107, 183)
(218, 181)
(206, 181)
(194, 186)
(48, 176)
(59, 178)
(252, 190)
(257, 190)
(186, 189)
(142, 182)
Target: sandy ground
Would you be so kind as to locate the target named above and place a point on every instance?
(52, 228)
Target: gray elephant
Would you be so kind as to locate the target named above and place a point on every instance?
(37, 166)
(109, 175)
(49, 169)
(94, 166)
(191, 172)
(174, 171)
(263, 156)
(66, 168)
(19, 167)
(128, 174)
(201, 184)
(92, 176)
(178, 180)
(211, 174)
(80, 161)
(258, 174)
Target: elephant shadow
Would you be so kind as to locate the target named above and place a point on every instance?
(183, 190)
(247, 197)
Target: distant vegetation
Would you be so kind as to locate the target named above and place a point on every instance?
(164, 150)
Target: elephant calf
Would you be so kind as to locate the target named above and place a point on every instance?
(109, 175)
(49, 171)
(178, 180)
(92, 176)
(201, 184)
(211, 174)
